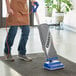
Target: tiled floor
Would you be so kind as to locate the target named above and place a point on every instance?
(5, 70)
(64, 42)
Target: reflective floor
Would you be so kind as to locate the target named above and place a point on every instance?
(64, 42)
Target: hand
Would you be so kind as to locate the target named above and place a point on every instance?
(35, 6)
(10, 11)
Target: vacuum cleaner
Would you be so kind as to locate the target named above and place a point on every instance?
(52, 62)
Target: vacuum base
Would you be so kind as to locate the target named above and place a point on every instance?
(54, 65)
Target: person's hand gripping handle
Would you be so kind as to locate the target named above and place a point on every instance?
(35, 6)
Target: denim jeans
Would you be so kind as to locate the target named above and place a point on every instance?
(23, 40)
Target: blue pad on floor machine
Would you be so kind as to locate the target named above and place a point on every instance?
(53, 64)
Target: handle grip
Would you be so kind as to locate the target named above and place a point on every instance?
(35, 6)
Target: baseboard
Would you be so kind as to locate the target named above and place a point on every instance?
(70, 28)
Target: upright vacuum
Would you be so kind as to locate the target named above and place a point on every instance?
(52, 62)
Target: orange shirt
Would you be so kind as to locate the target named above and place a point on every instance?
(21, 15)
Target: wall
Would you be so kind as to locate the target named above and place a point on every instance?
(74, 4)
(70, 17)
(0, 11)
(4, 9)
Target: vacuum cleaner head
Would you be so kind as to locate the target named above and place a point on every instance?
(53, 65)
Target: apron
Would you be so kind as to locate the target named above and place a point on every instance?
(21, 15)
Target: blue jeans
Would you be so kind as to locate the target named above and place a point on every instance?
(23, 41)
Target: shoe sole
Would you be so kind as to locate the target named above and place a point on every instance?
(12, 60)
(24, 59)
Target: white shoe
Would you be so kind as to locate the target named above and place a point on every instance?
(24, 57)
(8, 57)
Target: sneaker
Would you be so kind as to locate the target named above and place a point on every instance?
(24, 57)
(8, 57)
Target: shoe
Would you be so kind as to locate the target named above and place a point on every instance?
(8, 57)
(24, 57)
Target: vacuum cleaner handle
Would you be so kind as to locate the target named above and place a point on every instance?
(37, 18)
(35, 6)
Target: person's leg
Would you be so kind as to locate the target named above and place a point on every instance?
(23, 41)
(9, 39)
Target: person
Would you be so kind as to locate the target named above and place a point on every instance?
(17, 17)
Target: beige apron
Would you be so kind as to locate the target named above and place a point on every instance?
(21, 16)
